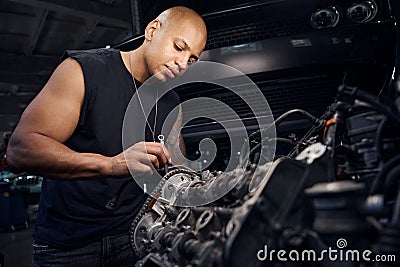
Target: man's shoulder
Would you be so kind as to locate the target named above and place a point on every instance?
(99, 55)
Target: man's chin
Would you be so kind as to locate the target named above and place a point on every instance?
(160, 76)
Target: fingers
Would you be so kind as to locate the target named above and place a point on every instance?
(154, 160)
(160, 151)
(143, 169)
(147, 153)
(139, 159)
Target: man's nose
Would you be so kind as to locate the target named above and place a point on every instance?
(182, 62)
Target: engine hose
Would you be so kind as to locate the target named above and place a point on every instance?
(396, 210)
(392, 177)
(379, 138)
(380, 179)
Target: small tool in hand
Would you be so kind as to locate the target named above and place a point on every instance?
(161, 139)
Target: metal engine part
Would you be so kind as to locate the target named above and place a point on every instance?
(346, 186)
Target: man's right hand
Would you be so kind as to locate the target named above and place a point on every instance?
(139, 159)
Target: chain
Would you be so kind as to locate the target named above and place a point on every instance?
(153, 131)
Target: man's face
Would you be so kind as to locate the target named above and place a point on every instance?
(172, 47)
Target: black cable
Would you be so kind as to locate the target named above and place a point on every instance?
(254, 149)
(380, 179)
(279, 139)
(304, 113)
(391, 178)
(281, 118)
(396, 210)
(355, 93)
(318, 124)
(379, 139)
(312, 131)
(285, 140)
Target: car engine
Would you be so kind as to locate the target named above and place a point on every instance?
(338, 187)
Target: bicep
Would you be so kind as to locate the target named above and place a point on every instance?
(54, 112)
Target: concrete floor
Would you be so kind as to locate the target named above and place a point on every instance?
(16, 246)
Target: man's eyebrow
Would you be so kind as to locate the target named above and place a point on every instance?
(188, 48)
(184, 42)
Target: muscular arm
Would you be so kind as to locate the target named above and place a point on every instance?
(36, 145)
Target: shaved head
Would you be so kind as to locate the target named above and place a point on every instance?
(175, 16)
(172, 40)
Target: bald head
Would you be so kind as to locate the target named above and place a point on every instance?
(175, 16)
(177, 36)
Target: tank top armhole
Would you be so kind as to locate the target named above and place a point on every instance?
(77, 55)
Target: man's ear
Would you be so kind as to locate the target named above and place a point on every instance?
(151, 28)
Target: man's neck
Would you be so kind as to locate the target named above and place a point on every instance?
(138, 70)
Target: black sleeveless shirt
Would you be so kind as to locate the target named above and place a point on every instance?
(72, 212)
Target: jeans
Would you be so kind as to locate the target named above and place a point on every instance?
(110, 251)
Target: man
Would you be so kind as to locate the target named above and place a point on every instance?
(71, 135)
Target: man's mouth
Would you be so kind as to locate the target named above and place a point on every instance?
(169, 73)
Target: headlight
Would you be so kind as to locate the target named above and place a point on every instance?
(362, 12)
(325, 18)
